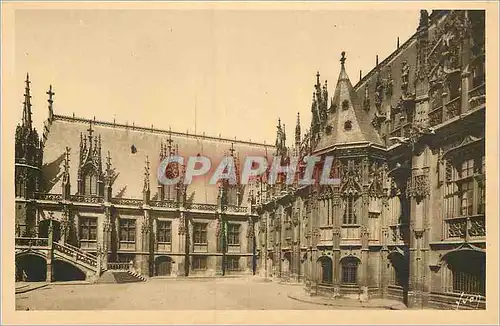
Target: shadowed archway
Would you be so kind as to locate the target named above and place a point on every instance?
(326, 270)
(64, 271)
(163, 266)
(31, 268)
(468, 271)
(400, 265)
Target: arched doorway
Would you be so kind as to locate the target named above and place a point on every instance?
(31, 268)
(270, 265)
(400, 272)
(285, 266)
(43, 229)
(326, 270)
(163, 266)
(64, 271)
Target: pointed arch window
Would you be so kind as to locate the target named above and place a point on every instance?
(349, 216)
(90, 185)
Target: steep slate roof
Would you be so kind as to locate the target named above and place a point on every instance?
(118, 139)
(361, 127)
(393, 65)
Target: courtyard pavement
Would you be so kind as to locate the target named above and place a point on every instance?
(250, 293)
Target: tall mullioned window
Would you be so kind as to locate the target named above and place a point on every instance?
(233, 263)
(350, 271)
(466, 187)
(349, 216)
(127, 230)
(200, 233)
(233, 234)
(199, 263)
(90, 184)
(88, 228)
(164, 232)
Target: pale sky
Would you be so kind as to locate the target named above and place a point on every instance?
(240, 69)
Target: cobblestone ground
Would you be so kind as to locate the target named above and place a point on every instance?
(167, 294)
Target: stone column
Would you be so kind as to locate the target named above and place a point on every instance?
(183, 243)
(64, 226)
(115, 237)
(365, 236)
(466, 75)
(106, 235)
(336, 238)
(145, 248)
(153, 245)
(415, 264)
(251, 245)
(138, 243)
(50, 252)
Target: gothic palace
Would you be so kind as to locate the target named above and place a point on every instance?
(406, 222)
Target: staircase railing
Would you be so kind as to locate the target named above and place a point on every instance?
(32, 242)
(118, 266)
(76, 254)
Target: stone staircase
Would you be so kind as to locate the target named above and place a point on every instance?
(115, 273)
(121, 272)
(76, 256)
(128, 277)
(120, 277)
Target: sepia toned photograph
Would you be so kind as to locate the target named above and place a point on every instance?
(212, 159)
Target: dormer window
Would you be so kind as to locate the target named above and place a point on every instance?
(347, 125)
(345, 104)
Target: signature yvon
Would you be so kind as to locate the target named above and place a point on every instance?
(476, 298)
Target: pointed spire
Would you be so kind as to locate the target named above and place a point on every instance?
(343, 59)
(66, 176)
(232, 149)
(161, 151)
(297, 130)
(360, 74)
(27, 122)
(91, 131)
(146, 176)
(376, 60)
(66, 163)
(353, 125)
(99, 147)
(343, 74)
(317, 77)
(398, 43)
(108, 164)
(169, 146)
(50, 93)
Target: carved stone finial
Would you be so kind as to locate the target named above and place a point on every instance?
(50, 93)
(343, 58)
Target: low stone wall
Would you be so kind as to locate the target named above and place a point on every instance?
(395, 292)
(457, 301)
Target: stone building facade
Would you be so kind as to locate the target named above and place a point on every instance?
(407, 220)
(88, 201)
